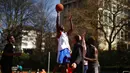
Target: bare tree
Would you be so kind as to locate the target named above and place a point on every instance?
(112, 18)
(41, 21)
(14, 14)
(83, 16)
(92, 16)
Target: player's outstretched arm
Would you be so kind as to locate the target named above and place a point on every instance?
(71, 25)
(58, 24)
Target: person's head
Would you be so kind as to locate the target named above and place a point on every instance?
(61, 28)
(90, 40)
(77, 38)
(10, 39)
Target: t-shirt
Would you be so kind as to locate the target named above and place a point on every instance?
(84, 51)
(7, 59)
(91, 54)
(63, 41)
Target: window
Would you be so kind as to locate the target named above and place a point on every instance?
(118, 19)
(122, 34)
(65, 1)
(126, 35)
(110, 17)
(74, 4)
(114, 9)
(126, 1)
(24, 44)
(106, 5)
(65, 8)
(68, 7)
(118, 36)
(31, 38)
(25, 38)
(107, 31)
(126, 10)
(100, 16)
(129, 36)
(105, 17)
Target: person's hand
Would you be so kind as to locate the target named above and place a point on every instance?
(74, 65)
(83, 35)
(58, 13)
(70, 17)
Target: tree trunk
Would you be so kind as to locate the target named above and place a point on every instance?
(109, 46)
(40, 45)
(39, 41)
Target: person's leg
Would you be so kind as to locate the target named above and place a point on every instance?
(63, 69)
(20, 71)
(85, 68)
(91, 69)
(67, 67)
(3, 69)
(61, 57)
(96, 69)
(59, 61)
(56, 68)
(66, 59)
(6, 69)
(9, 69)
(63, 60)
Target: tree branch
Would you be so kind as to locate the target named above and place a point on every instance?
(118, 32)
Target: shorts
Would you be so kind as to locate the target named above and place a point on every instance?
(63, 56)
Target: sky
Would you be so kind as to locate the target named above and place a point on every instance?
(53, 14)
(56, 2)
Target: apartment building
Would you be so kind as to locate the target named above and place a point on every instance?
(29, 40)
(114, 13)
(68, 5)
(108, 7)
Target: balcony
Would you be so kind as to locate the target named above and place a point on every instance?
(68, 2)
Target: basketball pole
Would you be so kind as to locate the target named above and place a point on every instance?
(48, 62)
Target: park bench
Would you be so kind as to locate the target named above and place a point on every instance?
(126, 71)
(14, 69)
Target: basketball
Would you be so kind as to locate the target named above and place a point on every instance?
(59, 7)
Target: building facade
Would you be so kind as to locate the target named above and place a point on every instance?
(113, 12)
(29, 40)
(114, 18)
(68, 6)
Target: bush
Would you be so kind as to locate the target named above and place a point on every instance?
(114, 58)
(20, 59)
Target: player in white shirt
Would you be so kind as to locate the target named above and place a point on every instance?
(64, 50)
